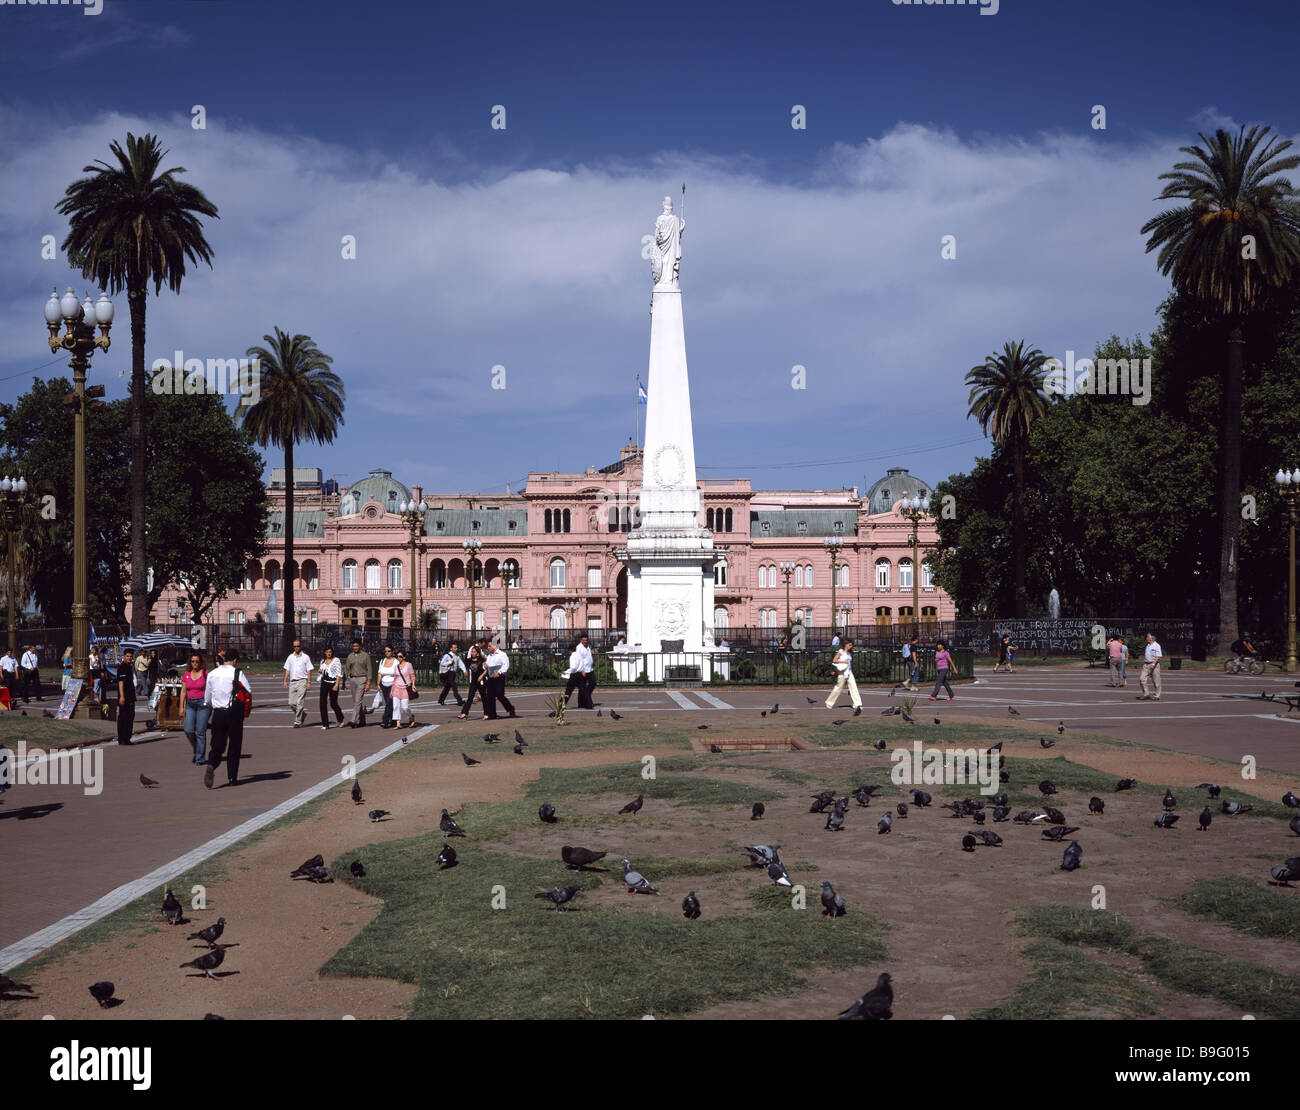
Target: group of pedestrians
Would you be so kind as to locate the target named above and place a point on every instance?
(486, 665)
(22, 676)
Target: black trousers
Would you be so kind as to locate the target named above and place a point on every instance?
(496, 692)
(227, 731)
(329, 699)
(125, 721)
(584, 684)
(475, 687)
(31, 678)
(449, 683)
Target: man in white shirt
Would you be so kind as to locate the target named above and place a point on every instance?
(9, 673)
(448, 665)
(297, 680)
(844, 665)
(582, 674)
(1150, 670)
(227, 718)
(31, 674)
(494, 684)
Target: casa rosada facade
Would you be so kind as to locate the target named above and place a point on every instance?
(552, 549)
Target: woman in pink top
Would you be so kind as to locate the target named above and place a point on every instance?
(942, 664)
(195, 680)
(403, 684)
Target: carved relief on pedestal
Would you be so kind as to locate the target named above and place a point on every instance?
(669, 465)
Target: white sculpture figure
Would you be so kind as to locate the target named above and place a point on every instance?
(666, 258)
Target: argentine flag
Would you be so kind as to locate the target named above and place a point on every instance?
(640, 392)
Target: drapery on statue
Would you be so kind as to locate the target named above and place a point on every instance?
(666, 257)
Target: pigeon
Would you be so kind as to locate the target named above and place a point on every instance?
(835, 820)
(999, 800)
(102, 993)
(1124, 784)
(1054, 816)
(579, 858)
(546, 813)
(218, 1017)
(172, 909)
(519, 739)
(778, 874)
(907, 718)
(888, 711)
(937, 721)
(990, 838)
(1096, 805)
(714, 749)
(1213, 788)
(902, 809)
(762, 854)
(1295, 825)
(559, 896)
(491, 737)
(356, 793)
(634, 807)
(1072, 858)
(8, 985)
(211, 934)
(636, 882)
(315, 861)
(1290, 800)
(757, 812)
(1001, 813)
(862, 796)
(1060, 728)
(358, 869)
(378, 815)
(841, 721)
(146, 781)
(879, 745)
(209, 961)
(968, 843)
(1046, 743)
(703, 727)
(1205, 819)
(470, 762)
(318, 875)
(600, 712)
(885, 823)
(1012, 711)
(874, 1005)
(813, 701)
(1059, 832)
(821, 801)
(690, 907)
(615, 714)
(446, 859)
(518, 749)
(774, 709)
(832, 903)
(1234, 808)
(1047, 788)
(1166, 821)
(1285, 875)
(1004, 776)
(996, 748)
(1027, 815)
(978, 816)
(1170, 802)
(448, 825)
(920, 798)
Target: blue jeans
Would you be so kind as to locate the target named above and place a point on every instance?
(913, 673)
(196, 726)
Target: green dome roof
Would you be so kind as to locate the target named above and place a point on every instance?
(379, 486)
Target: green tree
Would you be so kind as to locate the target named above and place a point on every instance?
(1234, 243)
(301, 398)
(129, 225)
(207, 504)
(1007, 398)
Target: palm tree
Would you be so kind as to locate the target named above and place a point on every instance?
(1233, 192)
(129, 225)
(301, 398)
(1007, 398)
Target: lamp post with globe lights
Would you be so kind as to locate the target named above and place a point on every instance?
(572, 607)
(472, 549)
(13, 493)
(79, 339)
(914, 508)
(1288, 485)
(834, 544)
(787, 569)
(412, 514)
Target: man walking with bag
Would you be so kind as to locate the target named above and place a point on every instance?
(450, 663)
(498, 662)
(297, 680)
(227, 718)
(357, 671)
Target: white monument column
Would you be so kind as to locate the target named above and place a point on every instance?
(670, 556)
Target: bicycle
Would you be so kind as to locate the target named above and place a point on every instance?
(1248, 666)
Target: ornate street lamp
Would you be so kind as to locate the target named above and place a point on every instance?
(787, 569)
(471, 549)
(1288, 485)
(572, 607)
(846, 614)
(914, 508)
(413, 517)
(13, 492)
(80, 339)
(834, 545)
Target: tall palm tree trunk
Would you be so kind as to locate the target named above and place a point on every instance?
(1018, 526)
(290, 617)
(1230, 488)
(137, 300)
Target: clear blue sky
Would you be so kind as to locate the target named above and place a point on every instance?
(814, 247)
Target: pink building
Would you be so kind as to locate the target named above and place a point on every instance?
(554, 543)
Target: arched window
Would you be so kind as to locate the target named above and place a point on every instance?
(273, 574)
(930, 616)
(708, 519)
(762, 578)
(557, 574)
(905, 573)
(372, 620)
(882, 574)
(807, 576)
(253, 575)
(927, 576)
(884, 615)
(372, 575)
(395, 618)
(613, 518)
(566, 520)
(394, 575)
(798, 577)
(558, 620)
(547, 518)
(720, 573)
(349, 617)
(510, 571)
(311, 575)
(720, 619)
(843, 579)
(727, 521)
(235, 618)
(437, 575)
(349, 574)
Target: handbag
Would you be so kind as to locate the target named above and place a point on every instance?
(242, 696)
(412, 693)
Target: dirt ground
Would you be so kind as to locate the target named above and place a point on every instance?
(952, 944)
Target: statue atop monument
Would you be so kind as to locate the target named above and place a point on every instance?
(666, 255)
